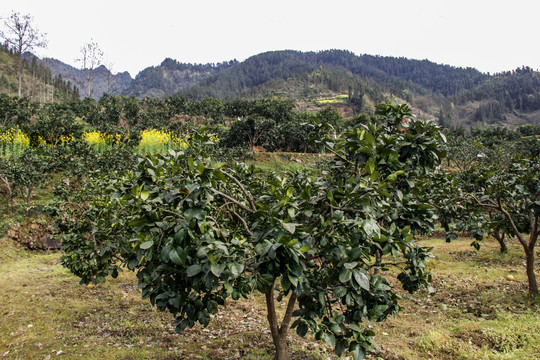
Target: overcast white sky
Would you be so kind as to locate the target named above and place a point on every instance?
(489, 35)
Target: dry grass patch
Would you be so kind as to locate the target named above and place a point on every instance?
(475, 314)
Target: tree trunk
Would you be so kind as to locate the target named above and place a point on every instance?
(282, 350)
(531, 276)
(20, 73)
(500, 239)
(9, 193)
(279, 332)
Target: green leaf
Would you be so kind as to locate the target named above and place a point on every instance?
(145, 194)
(341, 346)
(305, 248)
(339, 292)
(361, 278)
(291, 212)
(138, 222)
(217, 269)
(147, 244)
(219, 175)
(180, 235)
(369, 167)
(236, 269)
(200, 167)
(359, 353)
(289, 227)
(293, 279)
(191, 164)
(371, 227)
(193, 270)
(302, 329)
(330, 339)
(405, 230)
(178, 257)
(345, 275)
(220, 165)
(370, 139)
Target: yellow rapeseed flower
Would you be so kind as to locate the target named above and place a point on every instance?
(102, 141)
(158, 141)
(13, 142)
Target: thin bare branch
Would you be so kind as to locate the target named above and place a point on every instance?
(234, 201)
(243, 221)
(248, 195)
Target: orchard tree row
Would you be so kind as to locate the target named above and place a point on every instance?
(200, 231)
(273, 124)
(269, 123)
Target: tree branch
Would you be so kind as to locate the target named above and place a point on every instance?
(248, 195)
(271, 312)
(242, 221)
(514, 226)
(288, 315)
(234, 201)
(219, 228)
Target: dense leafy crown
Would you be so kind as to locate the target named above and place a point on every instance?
(198, 231)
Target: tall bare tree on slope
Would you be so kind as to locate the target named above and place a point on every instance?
(21, 35)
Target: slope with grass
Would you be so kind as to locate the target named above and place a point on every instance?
(475, 314)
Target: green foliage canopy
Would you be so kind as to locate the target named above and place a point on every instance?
(199, 232)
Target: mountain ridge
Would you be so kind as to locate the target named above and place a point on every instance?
(456, 96)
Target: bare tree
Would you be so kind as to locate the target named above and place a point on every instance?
(111, 81)
(22, 36)
(91, 58)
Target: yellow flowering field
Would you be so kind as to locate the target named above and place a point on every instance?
(101, 141)
(13, 142)
(158, 141)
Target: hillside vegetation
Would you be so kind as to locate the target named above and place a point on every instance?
(456, 97)
(39, 83)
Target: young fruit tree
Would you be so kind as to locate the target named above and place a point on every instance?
(498, 198)
(199, 232)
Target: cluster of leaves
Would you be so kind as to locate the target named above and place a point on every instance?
(492, 190)
(22, 173)
(199, 232)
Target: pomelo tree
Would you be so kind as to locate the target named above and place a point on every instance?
(199, 232)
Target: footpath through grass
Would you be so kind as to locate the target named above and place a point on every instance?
(475, 314)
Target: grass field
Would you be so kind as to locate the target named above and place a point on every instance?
(475, 314)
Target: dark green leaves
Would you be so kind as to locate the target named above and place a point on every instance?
(178, 256)
(361, 279)
(193, 270)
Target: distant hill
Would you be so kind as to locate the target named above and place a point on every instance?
(456, 97)
(393, 72)
(38, 82)
(171, 76)
(103, 80)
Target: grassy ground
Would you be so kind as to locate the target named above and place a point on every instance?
(475, 314)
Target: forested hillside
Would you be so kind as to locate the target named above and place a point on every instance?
(38, 82)
(456, 97)
(102, 79)
(171, 76)
(394, 73)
